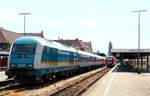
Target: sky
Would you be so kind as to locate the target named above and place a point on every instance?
(98, 21)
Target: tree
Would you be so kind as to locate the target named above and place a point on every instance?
(100, 54)
(109, 47)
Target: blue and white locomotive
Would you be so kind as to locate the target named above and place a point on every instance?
(37, 58)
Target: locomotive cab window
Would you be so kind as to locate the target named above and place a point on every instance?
(24, 48)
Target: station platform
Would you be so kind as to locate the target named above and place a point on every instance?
(121, 81)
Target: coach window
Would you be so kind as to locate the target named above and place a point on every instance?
(45, 50)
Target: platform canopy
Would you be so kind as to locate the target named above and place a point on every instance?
(129, 53)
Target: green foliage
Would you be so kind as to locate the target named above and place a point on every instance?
(137, 69)
(110, 47)
(99, 53)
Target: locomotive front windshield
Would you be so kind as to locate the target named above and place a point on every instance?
(24, 48)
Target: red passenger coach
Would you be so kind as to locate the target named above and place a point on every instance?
(110, 61)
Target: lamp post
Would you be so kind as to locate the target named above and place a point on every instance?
(138, 53)
(24, 14)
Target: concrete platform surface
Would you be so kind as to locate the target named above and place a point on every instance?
(121, 83)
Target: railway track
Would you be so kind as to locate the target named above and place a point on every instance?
(14, 88)
(78, 87)
(3, 68)
(6, 82)
(11, 87)
(49, 89)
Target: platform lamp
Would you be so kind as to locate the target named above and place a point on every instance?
(138, 52)
(24, 14)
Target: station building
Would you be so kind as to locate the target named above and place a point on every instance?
(78, 44)
(7, 37)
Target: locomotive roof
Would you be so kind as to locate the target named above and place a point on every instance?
(53, 44)
(43, 42)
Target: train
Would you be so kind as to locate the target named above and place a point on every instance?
(36, 58)
(110, 61)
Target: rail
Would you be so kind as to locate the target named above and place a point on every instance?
(78, 87)
(6, 82)
(3, 68)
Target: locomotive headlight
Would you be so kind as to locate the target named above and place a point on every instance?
(30, 65)
(12, 65)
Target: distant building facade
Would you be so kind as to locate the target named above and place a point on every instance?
(7, 37)
(78, 44)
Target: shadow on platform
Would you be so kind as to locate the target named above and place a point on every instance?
(127, 68)
(123, 68)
